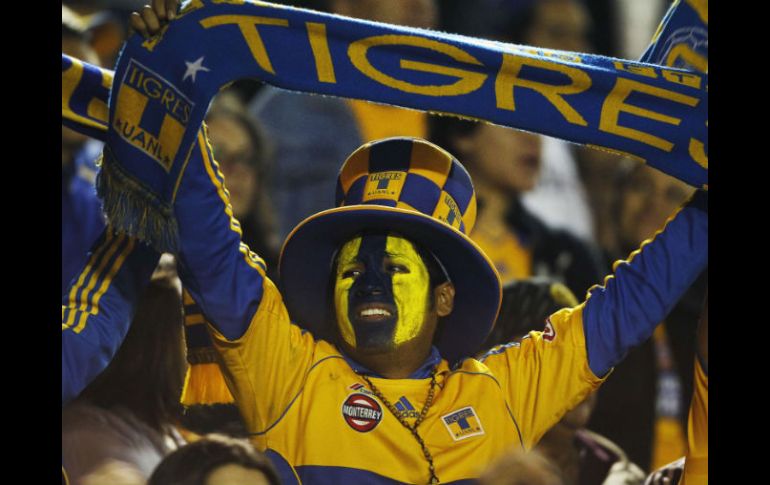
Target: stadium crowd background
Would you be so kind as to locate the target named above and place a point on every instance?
(549, 213)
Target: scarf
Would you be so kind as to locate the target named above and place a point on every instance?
(162, 88)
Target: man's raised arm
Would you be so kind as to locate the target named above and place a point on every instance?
(224, 277)
(625, 311)
(555, 369)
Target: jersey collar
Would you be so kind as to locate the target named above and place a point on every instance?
(433, 360)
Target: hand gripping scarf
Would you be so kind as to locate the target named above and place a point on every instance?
(162, 88)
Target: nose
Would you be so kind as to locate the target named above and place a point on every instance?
(369, 290)
(371, 283)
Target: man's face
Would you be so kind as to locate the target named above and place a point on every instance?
(381, 292)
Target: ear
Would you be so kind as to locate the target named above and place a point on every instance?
(444, 296)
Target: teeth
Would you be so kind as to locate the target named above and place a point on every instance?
(374, 312)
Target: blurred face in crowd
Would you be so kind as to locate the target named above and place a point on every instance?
(502, 157)
(560, 24)
(520, 468)
(649, 199)
(382, 295)
(232, 150)
(233, 474)
(412, 13)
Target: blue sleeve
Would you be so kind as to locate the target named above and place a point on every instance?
(625, 311)
(221, 273)
(99, 306)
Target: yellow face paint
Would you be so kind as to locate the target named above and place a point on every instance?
(410, 288)
(380, 272)
(345, 262)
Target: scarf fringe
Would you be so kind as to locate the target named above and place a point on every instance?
(204, 382)
(133, 209)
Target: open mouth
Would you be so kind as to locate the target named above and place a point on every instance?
(374, 312)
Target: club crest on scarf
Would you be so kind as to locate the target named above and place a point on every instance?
(152, 114)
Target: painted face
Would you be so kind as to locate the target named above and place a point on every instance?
(381, 292)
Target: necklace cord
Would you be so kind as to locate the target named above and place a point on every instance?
(413, 428)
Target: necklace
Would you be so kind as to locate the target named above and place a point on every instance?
(420, 418)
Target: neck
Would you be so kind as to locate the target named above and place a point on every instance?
(398, 363)
(495, 203)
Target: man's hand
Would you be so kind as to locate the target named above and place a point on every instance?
(151, 18)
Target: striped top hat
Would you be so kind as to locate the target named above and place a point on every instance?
(414, 188)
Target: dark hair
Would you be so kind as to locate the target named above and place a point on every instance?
(221, 418)
(436, 272)
(193, 463)
(147, 373)
(515, 29)
(445, 130)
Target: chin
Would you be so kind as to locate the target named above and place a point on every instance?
(375, 345)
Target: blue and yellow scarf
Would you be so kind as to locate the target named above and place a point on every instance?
(162, 88)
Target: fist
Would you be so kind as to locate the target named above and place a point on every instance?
(151, 18)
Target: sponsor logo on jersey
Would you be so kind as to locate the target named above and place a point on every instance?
(360, 388)
(362, 413)
(405, 408)
(548, 332)
(463, 423)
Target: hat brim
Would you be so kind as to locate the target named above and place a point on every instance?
(307, 256)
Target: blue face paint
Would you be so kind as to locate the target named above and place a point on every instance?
(381, 292)
(374, 288)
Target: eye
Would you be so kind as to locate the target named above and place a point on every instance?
(396, 268)
(351, 273)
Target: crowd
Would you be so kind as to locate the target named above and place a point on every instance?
(211, 381)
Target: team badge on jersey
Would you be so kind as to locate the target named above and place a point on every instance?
(463, 423)
(363, 413)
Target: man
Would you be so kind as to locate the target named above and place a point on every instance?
(374, 383)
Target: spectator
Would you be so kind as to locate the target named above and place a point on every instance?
(129, 412)
(521, 468)
(215, 460)
(360, 248)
